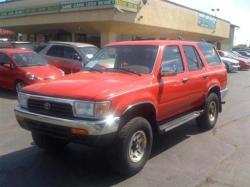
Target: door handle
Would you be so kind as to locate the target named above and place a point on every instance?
(185, 79)
(205, 76)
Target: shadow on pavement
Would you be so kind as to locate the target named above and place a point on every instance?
(6, 94)
(76, 166)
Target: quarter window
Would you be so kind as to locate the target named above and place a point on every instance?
(210, 54)
(172, 60)
(193, 58)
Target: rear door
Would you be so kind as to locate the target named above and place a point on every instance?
(197, 77)
(72, 60)
(55, 56)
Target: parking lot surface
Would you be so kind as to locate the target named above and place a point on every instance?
(182, 157)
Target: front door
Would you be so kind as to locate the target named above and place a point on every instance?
(173, 90)
(7, 75)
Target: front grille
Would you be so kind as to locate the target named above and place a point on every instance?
(50, 108)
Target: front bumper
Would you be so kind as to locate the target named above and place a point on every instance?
(93, 127)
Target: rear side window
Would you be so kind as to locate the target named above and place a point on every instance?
(56, 51)
(210, 54)
(4, 59)
(193, 58)
(172, 59)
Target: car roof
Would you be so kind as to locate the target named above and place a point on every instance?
(20, 42)
(76, 44)
(14, 50)
(156, 42)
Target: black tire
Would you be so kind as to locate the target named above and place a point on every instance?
(209, 117)
(227, 67)
(119, 154)
(48, 143)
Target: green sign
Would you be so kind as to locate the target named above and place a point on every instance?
(30, 11)
(128, 5)
(207, 21)
(86, 4)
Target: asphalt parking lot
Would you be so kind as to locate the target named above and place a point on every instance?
(183, 157)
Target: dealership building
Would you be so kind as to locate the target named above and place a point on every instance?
(104, 21)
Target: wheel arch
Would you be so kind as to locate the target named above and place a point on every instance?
(144, 109)
(216, 89)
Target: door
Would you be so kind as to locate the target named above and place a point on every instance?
(173, 89)
(72, 60)
(55, 56)
(197, 77)
(7, 74)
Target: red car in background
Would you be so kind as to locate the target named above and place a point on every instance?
(19, 68)
(244, 62)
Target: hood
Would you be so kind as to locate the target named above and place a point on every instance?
(230, 60)
(44, 72)
(93, 86)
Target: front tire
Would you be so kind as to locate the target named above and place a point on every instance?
(209, 117)
(132, 147)
(48, 143)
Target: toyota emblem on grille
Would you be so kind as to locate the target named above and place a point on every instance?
(47, 106)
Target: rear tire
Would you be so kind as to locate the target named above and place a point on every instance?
(132, 147)
(209, 117)
(48, 143)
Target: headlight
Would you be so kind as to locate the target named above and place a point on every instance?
(23, 100)
(32, 77)
(92, 109)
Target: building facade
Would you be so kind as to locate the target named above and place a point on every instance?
(104, 21)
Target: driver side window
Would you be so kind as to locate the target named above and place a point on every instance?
(4, 59)
(172, 61)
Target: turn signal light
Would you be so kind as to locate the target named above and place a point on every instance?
(79, 132)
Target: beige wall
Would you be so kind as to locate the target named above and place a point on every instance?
(157, 18)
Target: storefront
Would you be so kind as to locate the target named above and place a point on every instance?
(104, 21)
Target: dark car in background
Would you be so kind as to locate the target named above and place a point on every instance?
(69, 56)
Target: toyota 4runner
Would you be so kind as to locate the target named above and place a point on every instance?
(127, 94)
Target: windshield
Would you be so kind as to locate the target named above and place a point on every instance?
(89, 52)
(29, 59)
(139, 59)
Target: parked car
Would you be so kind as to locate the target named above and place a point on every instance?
(22, 45)
(19, 68)
(245, 53)
(68, 56)
(129, 93)
(243, 62)
(231, 64)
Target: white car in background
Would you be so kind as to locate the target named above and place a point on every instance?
(232, 65)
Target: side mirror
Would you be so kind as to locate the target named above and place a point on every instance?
(9, 66)
(168, 71)
(77, 57)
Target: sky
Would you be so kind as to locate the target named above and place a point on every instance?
(235, 11)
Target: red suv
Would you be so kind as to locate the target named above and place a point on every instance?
(128, 94)
(19, 68)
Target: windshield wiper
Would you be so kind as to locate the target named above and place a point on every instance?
(122, 70)
(92, 69)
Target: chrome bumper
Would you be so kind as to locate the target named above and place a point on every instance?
(101, 127)
(223, 93)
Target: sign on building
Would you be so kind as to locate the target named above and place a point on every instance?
(207, 21)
